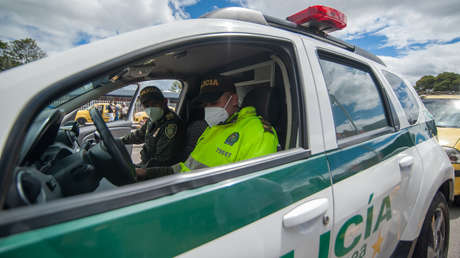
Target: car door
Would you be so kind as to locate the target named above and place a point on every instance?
(369, 164)
(302, 228)
(421, 134)
(275, 205)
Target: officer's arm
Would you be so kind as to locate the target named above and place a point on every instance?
(168, 145)
(136, 137)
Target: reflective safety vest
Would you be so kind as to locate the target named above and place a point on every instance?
(243, 136)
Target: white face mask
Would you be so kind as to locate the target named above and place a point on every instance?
(154, 113)
(216, 115)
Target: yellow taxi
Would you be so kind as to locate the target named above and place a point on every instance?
(140, 117)
(83, 116)
(446, 111)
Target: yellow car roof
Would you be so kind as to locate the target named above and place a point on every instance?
(444, 96)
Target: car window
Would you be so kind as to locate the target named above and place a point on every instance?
(356, 103)
(446, 112)
(71, 95)
(113, 106)
(405, 96)
(66, 146)
(171, 90)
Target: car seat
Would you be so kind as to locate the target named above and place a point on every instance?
(267, 102)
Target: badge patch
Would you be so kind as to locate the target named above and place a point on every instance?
(171, 130)
(156, 132)
(232, 138)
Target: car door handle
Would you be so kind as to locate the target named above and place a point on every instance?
(306, 212)
(406, 162)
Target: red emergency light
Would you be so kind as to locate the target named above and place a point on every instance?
(321, 17)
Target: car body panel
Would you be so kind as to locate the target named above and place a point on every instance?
(441, 96)
(457, 179)
(267, 237)
(197, 216)
(449, 137)
(436, 170)
(373, 161)
(352, 168)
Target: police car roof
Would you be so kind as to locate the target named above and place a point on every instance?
(253, 16)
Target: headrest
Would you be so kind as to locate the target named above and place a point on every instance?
(265, 101)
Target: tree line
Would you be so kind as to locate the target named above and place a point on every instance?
(18, 52)
(443, 82)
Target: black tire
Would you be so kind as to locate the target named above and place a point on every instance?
(433, 240)
(81, 121)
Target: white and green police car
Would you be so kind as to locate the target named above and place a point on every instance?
(358, 173)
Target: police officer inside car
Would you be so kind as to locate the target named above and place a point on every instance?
(162, 134)
(231, 135)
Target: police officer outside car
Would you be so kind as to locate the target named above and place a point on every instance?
(162, 134)
(231, 136)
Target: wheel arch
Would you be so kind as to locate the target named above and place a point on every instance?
(442, 181)
(406, 248)
(447, 189)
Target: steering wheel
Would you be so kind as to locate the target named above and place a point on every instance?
(125, 172)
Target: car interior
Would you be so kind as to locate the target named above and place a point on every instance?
(55, 162)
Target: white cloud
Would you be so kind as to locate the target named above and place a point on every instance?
(431, 60)
(360, 96)
(402, 22)
(406, 25)
(58, 25)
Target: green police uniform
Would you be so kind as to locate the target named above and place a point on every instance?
(162, 140)
(243, 136)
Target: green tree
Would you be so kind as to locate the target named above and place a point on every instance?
(19, 52)
(456, 85)
(425, 83)
(442, 86)
(446, 76)
(445, 81)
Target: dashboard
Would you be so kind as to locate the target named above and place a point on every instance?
(52, 162)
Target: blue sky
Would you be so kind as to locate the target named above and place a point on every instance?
(368, 41)
(415, 38)
(203, 7)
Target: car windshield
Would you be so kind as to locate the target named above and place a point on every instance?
(71, 95)
(446, 112)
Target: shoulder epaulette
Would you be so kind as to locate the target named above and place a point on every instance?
(169, 116)
(267, 126)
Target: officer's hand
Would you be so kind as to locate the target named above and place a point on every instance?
(141, 172)
(153, 172)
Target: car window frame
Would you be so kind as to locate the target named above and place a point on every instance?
(390, 112)
(411, 91)
(37, 216)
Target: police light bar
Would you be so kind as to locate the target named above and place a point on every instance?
(323, 18)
